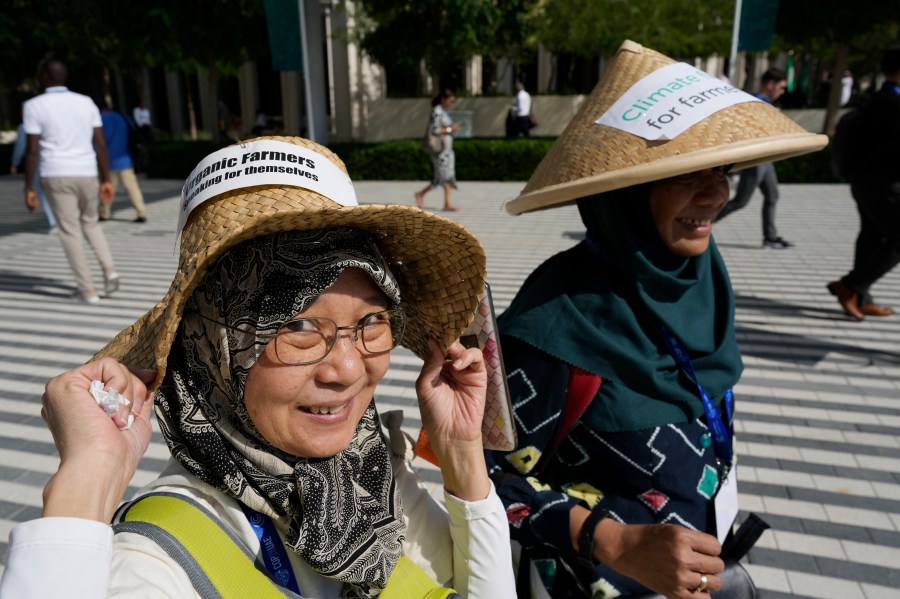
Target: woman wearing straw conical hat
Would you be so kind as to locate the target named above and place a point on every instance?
(621, 350)
(265, 355)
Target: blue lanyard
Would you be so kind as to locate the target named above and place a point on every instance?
(721, 435)
(273, 553)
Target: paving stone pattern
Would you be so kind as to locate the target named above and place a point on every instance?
(818, 411)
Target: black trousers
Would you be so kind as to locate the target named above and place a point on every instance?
(765, 177)
(878, 243)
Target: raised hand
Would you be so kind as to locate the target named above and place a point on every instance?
(97, 460)
(451, 395)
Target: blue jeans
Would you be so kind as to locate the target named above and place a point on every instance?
(51, 220)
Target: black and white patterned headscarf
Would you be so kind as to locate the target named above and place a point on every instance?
(342, 514)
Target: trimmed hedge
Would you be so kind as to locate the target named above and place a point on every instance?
(479, 159)
(476, 159)
(176, 159)
(809, 168)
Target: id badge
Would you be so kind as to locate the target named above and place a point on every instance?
(726, 504)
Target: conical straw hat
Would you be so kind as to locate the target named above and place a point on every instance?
(590, 158)
(440, 266)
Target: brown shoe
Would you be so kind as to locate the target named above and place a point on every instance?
(876, 310)
(846, 298)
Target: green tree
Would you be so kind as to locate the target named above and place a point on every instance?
(840, 31)
(211, 38)
(443, 33)
(102, 35)
(678, 28)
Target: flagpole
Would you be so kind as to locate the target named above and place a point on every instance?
(307, 86)
(735, 34)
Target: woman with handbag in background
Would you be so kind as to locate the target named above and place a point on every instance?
(443, 161)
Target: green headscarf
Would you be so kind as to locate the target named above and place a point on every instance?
(600, 304)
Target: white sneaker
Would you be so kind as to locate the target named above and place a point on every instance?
(54, 230)
(112, 283)
(87, 299)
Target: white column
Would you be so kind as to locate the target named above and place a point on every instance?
(315, 79)
(545, 71)
(249, 93)
(175, 97)
(120, 93)
(365, 78)
(504, 76)
(208, 104)
(147, 95)
(290, 102)
(339, 74)
(473, 76)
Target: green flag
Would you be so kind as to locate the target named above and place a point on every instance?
(789, 71)
(283, 23)
(757, 25)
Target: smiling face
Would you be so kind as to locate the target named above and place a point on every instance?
(685, 207)
(312, 411)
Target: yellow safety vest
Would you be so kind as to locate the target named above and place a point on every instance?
(220, 566)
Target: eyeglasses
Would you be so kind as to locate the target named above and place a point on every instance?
(309, 340)
(688, 178)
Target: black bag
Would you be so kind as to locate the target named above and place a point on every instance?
(736, 584)
(736, 581)
(510, 123)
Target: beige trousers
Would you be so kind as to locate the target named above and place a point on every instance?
(129, 181)
(74, 201)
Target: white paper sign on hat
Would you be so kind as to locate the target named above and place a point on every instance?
(670, 100)
(264, 162)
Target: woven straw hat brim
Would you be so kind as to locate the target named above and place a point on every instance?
(589, 158)
(439, 265)
(740, 154)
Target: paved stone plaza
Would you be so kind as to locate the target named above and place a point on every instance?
(818, 413)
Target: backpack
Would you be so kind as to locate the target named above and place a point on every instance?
(845, 151)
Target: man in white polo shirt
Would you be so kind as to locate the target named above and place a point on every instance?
(64, 129)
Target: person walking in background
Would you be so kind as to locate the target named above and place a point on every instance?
(521, 110)
(875, 185)
(17, 157)
(117, 132)
(65, 132)
(846, 88)
(443, 163)
(144, 136)
(141, 116)
(764, 176)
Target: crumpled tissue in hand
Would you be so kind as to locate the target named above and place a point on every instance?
(111, 401)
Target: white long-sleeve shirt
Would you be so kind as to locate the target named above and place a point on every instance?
(463, 544)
